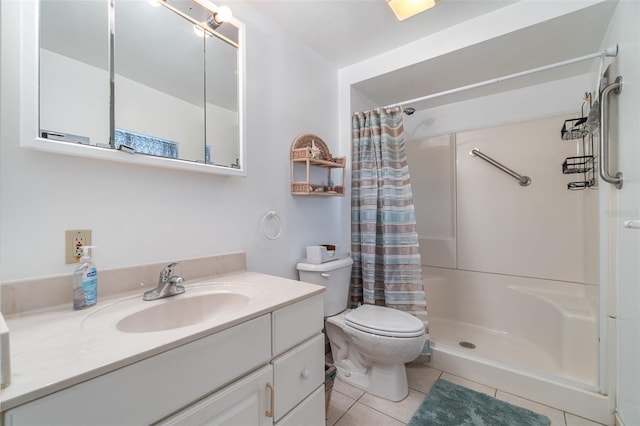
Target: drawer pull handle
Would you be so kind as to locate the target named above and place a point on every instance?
(305, 374)
(632, 224)
(269, 412)
(325, 275)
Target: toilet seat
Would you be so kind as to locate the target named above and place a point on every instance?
(383, 321)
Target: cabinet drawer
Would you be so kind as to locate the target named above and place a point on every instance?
(309, 412)
(297, 373)
(296, 323)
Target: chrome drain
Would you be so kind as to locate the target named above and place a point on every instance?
(467, 345)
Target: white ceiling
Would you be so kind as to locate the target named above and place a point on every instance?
(349, 31)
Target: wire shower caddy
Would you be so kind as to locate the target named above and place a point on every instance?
(575, 129)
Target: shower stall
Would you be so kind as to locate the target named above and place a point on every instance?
(510, 260)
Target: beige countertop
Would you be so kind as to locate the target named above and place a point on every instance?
(57, 347)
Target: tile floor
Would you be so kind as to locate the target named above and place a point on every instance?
(351, 406)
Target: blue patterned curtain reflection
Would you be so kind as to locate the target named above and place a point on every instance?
(146, 144)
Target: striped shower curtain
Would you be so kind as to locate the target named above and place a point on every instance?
(384, 241)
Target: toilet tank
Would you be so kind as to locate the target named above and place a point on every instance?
(335, 275)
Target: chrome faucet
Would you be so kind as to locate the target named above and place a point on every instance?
(168, 285)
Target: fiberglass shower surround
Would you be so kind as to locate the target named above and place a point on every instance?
(507, 266)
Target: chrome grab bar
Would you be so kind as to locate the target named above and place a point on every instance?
(522, 180)
(615, 87)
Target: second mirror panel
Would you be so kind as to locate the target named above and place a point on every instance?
(221, 69)
(159, 82)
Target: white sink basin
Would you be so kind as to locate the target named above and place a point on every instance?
(182, 312)
(199, 304)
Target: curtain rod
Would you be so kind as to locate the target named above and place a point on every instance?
(611, 51)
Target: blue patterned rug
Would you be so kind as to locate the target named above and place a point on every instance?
(448, 404)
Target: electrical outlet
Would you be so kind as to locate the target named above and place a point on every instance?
(75, 239)
(78, 242)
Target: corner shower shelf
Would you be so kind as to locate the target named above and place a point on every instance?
(310, 151)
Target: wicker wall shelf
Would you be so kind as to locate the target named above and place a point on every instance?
(309, 151)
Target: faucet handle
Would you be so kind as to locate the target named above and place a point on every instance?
(167, 272)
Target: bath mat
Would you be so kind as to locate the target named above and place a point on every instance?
(448, 404)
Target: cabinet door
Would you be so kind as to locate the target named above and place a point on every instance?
(245, 402)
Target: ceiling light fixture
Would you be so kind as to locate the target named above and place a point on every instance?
(219, 17)
(404, 9)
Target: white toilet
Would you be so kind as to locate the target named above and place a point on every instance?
(370, 344)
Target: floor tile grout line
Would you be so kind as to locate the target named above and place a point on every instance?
(345, 411)
(383, 413)
(424, 395)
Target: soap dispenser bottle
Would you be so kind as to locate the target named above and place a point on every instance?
(85, 282)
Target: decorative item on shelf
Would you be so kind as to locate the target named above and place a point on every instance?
(314, 150)
(310, 146)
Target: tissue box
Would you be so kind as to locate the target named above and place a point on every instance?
(321, 254)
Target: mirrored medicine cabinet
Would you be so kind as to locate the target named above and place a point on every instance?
(151, 82)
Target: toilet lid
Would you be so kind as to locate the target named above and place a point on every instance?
(384, 321)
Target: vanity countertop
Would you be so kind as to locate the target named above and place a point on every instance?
(54, 348)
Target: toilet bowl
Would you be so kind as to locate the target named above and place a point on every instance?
(369, 344)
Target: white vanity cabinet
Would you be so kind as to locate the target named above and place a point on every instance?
(267, 370)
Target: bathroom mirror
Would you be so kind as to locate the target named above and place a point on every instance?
(152, 83)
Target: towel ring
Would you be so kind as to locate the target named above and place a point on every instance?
(268, 215)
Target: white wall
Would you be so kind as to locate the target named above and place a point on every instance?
(625, 124)
(141, 215)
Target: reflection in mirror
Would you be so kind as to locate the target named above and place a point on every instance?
(174, 94)
(159, 81)
(74, 71)
(222, 102)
